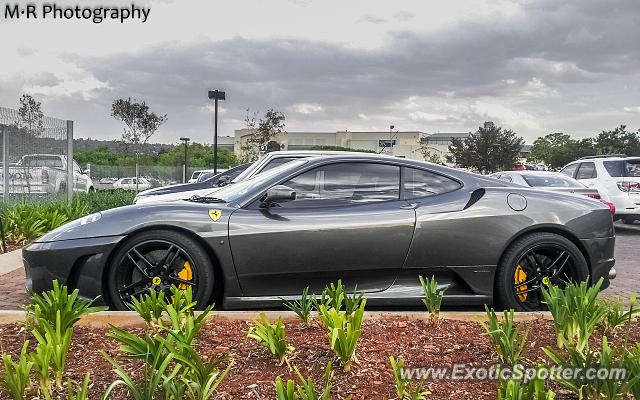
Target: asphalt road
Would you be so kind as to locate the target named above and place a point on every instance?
(13, 294)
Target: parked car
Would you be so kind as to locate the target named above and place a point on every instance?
(43, 174)
(132, 184)
(617, 177)
(214, 181)
(267, 162)
(552, 181)
(373, 221)
(196, 174)
(523, 167)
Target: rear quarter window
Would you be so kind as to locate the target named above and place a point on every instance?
(420, 183)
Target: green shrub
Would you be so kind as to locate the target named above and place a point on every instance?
(514, 390)
(615, 317)
(285, 392)
(505, 336)
(335, 295)
(41, 360)
(343, 331)
(102, 200)
(301, 307)
(271, 336)
(150, 307)
(432, 298)
(15, 378)
(82, 392)
(631, 361)
(307, 390)
(201, 379)
(576, 312)
(404, 388)
(23, 223)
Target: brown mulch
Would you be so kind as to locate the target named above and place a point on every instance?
(254, 372)
(13, 246)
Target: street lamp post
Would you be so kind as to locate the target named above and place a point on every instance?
(215, 95)
(186, 143)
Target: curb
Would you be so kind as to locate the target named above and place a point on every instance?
(130, 319)
(10, 261)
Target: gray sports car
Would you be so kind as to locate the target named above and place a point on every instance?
(375, 221)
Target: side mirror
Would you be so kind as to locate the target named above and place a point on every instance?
(223, 181)
(277, 194)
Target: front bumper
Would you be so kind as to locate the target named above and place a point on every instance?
(601, 258)
(77, 263)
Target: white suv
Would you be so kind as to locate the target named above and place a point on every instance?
(617, 177)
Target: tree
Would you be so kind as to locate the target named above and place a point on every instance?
(30, 114)
(140, 123)
(618, 141)
(262, 131)
(488, 150)
(198, 156)
(558, 149)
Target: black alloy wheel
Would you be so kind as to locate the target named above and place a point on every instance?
(158, 260)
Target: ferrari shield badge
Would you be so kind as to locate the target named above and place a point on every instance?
(215, 214)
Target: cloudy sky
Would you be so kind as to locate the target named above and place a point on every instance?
(535, 66)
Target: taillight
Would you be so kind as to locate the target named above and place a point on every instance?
(594, 196)
(612, 207)
(627, 186)
(45, 176)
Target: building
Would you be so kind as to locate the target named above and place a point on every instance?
(438, 143)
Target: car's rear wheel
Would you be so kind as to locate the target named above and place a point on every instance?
(533, 262)
(156, 260)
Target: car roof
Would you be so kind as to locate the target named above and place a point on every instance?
(289, 153)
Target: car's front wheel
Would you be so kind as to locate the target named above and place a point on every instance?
(157, 260)
(533, 262)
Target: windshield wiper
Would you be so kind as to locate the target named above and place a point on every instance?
(205, 199)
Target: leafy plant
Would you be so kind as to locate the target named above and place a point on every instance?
(343, 331)
(591, 388)
(576, 312)
(271, 336)
(184, 325)
(82, 392)
(514, 390)
(307, 390)
(615, 316)
(201, 379)
(404, 388)
(351, 303)
(285, 392)
(505, 336)
(301, 307)
(631, 361)
(58, 342)
(150, 308)
(25, 223)
(154, 374)
(15, 379)
(41, 360)
(335, 295)
(432, 298)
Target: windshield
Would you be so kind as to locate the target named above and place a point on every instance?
(236, 191)
(623, 168)
(551, 181)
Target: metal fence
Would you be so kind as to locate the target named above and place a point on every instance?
(37, 157)
(111, 176)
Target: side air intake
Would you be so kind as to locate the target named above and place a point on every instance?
(475, 196)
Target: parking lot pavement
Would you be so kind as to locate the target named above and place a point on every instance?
(13, 293)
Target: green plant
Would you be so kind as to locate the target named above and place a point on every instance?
(82, 392)
(15, 378)
(631, 361)
(271, 336)
(287, 392)
(58, 342)
(351, 303)
(144, 348)
(615, 317)
(41, 360)
(611, 388)
(404, 388)
(154, 374)
(201, 379)
(432, 298)
(307, 390)
(576, 312)
(184, 325)
(150, 308)
(343, 331)
(505, 336)
(301, 307)
(56, 306)
(335, 295)
(24, 223)
(514, 390)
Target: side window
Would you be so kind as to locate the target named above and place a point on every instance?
(587, 170)
(570, 170)
(276, 162)
(76, 167)
(420, 183)
(126, 181)
(345, 183)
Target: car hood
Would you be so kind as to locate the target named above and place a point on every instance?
(202, 219)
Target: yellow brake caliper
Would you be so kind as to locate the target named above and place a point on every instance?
(186, 275)
(519, 277)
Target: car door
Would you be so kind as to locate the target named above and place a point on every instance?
(587, 174)
(347, 222)
(79, 180)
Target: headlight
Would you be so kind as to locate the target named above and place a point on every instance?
(90, 218)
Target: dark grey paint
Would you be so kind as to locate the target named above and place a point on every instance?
(382, 247)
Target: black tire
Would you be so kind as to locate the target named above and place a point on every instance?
(125, 279)
(532, 251)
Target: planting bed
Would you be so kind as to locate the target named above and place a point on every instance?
(254, 371)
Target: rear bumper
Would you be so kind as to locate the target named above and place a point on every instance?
(78, 263)
(601, 258)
